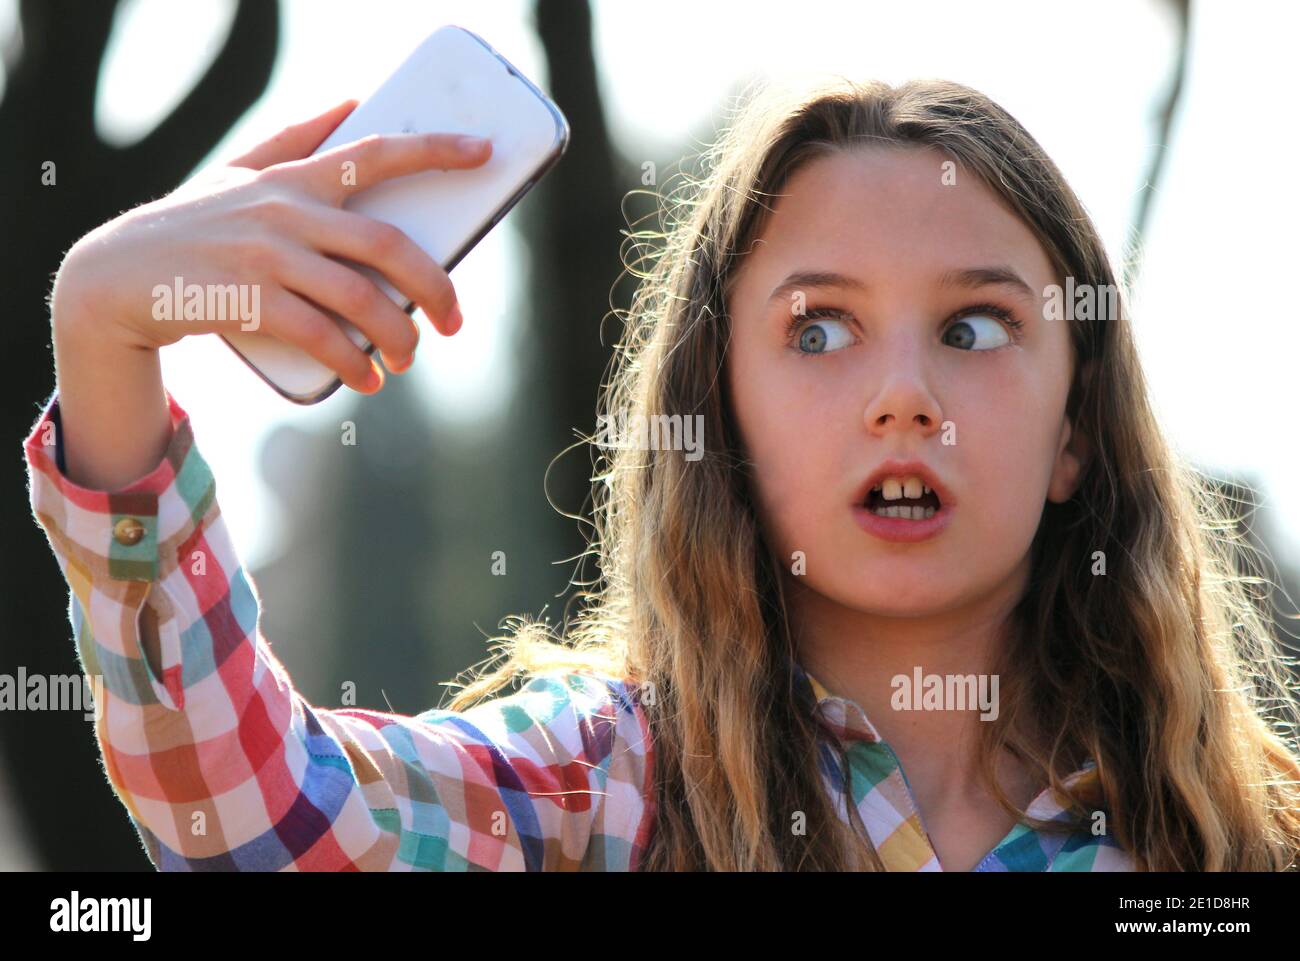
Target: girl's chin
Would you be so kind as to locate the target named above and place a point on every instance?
(900, 606)
(893, 597)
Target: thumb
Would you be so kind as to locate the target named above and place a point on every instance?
(297, 141)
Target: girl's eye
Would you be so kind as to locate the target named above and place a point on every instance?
(992, 326)
(824, 336)
(992, 321)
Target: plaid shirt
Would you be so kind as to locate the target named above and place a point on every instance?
(222, 765)
(889, 811)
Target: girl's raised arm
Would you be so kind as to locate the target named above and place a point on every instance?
(222, 764)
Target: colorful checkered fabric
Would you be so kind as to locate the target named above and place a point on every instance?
(222, 765)
(889, 812)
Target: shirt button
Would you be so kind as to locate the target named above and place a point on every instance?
(128, 531)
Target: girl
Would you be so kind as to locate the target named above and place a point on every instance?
(918, 479)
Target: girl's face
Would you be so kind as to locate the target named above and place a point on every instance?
(892, 362)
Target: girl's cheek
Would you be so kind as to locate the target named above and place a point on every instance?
(790, 500)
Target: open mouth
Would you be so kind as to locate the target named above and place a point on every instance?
(889, 499)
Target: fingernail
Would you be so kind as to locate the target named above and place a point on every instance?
(454, 319)
(470, 144)
(374, 379)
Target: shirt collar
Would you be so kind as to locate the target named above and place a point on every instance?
(848, 723)
(842, 717)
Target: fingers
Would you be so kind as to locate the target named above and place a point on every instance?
(353, 296)
(384, 248)
(296, 141)
(303, 325)
(363, 163)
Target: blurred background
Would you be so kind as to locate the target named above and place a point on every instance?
(373, 561)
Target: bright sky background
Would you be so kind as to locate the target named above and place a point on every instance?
(1083, 79)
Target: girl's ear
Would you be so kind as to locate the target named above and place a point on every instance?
(1072, 456)
(1073, 453)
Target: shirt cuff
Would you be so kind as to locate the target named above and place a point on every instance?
(117, 534)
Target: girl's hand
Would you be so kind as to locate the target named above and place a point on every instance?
(273, 217)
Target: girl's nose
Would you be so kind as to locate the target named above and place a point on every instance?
(904, 400)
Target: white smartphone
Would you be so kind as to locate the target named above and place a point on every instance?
(454, 82)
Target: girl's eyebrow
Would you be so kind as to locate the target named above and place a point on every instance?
(968, 277)
(999, 275)
(814, 278)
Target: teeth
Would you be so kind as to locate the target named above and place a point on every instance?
(893, 488)
(915, 513)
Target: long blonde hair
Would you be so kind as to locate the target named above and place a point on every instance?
(1164, 671)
